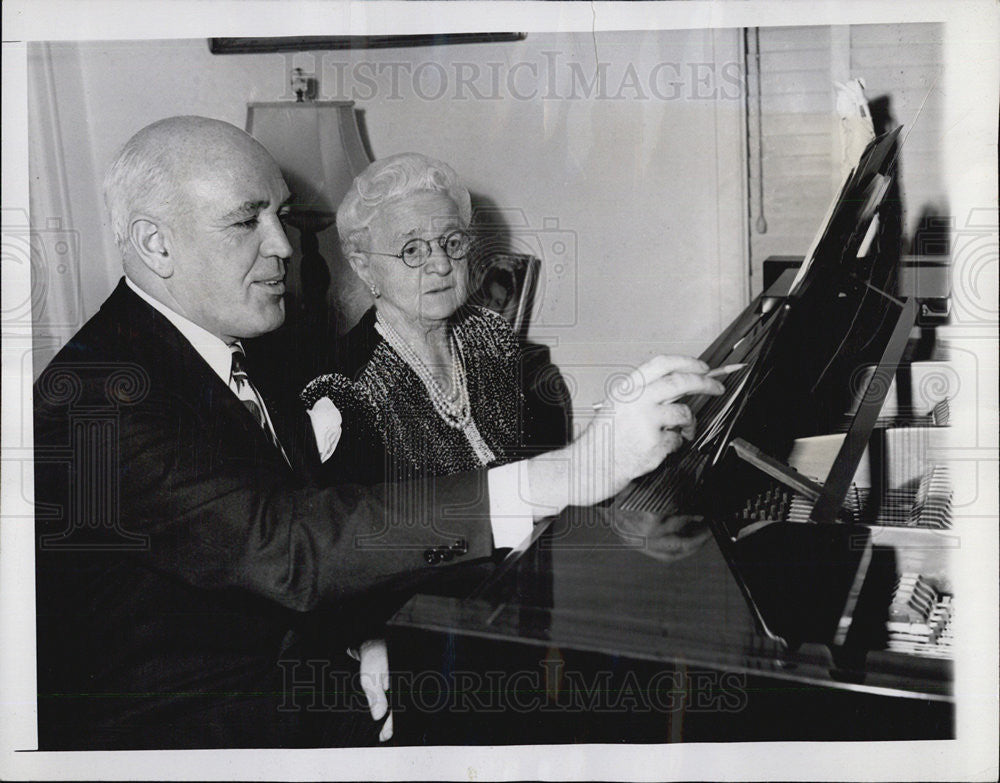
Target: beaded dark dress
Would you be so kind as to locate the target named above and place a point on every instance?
(390, 430)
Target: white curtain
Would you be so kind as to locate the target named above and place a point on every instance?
(71, 268)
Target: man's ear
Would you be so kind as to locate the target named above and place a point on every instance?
(150, 244)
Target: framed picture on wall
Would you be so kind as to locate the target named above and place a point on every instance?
(312, 43)
(506, 285)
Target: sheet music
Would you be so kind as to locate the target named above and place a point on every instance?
(821, 231)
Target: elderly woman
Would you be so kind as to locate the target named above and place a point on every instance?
(426, 385)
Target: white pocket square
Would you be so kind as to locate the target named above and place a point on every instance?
(327, 426)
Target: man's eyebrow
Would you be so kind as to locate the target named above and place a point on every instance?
(249, 208)
(244, 209)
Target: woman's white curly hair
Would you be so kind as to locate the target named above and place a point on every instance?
(391, 179)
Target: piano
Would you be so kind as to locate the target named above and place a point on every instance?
(820, 605)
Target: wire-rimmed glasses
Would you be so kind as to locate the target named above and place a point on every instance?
(416, 251)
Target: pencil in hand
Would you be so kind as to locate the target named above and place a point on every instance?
(724, 370)
(717, 372)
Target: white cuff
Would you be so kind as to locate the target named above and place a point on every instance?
(510, 512)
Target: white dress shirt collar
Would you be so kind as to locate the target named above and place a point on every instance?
(213, 350)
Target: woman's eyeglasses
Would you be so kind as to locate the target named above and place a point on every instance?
(415, 252)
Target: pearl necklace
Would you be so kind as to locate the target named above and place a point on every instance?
(454, 409)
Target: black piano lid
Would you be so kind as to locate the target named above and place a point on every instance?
(851, 211)
(803, 357)
(833, 322)
(804, 360)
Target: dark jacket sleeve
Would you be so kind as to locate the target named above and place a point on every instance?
(224, 512)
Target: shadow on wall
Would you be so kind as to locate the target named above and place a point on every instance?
(931, 234)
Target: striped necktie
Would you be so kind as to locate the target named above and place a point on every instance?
(240, 383)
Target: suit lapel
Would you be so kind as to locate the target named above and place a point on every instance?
(177, 366)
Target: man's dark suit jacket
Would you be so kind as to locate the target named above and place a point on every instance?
(184, 573)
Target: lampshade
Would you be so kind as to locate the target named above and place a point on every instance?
(318, 147)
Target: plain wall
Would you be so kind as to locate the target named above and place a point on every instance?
(631, 190)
